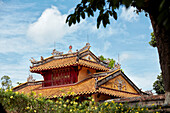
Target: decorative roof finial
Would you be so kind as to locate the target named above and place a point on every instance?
(32, 60)
(56, 53)
(70, 49)
(42, 58)
(30, 79)
(117, 66)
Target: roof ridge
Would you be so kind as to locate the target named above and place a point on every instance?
(109, 74)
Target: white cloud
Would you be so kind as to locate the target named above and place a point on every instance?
(124, 56)
(107, 45)
(131, 56)
(150, 27)
(143, 80)
(109, 31)
(49, 27)
(129, 14)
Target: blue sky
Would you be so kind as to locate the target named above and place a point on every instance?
(29, 28)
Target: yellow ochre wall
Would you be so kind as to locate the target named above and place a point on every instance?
(83, 73)
(110, 84)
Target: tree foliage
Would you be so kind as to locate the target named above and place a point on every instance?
(6, 82)
(19, 83)
(109, 60)
(153, 40)
(109, 8)
(15, 102)
(158, 85)
(158, 11)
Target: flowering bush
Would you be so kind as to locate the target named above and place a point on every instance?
(19, 103)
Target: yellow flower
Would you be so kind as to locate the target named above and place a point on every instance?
(10, 90)
(142, 109)
(35, 111)
(52, 108)
(136, 112)
(71, 110)
(113, 101)
(40, 94)
(120, 104)
(95, 107)
(63, 94)
(77, 97)
(60, 102)
(65, 105)
(11, 97)
(16, 93)
(72, 93)
(68, 92)
(67, 100)
(61, 90)
(34, 93)
(75, 103)
(70, 88)
(106, 104)
(152, 105)
(50, 101)
(92, 99)
(28, 107)
(54, 96)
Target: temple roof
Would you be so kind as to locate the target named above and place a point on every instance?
(87, 86)
(69, 61)
(83, 57)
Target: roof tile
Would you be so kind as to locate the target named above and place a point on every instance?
(64, 62)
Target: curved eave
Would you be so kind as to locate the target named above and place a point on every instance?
(81, 62)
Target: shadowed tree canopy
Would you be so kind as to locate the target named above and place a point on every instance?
(158, 85)
(6, 82)
(108, 8)
(158, 11)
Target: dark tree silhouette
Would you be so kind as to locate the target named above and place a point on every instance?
(159, 13)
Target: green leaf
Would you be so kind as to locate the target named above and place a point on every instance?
(115, 15)
(83, 15)
(78, 19)
(68, 17)
(98, 21)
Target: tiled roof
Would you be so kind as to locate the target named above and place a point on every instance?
(92, 65)
(141, 98)
(69, 61)
(116, 93)
(78, 89)
(84, 87)
(109, 74)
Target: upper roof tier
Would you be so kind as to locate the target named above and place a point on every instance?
(83, 57)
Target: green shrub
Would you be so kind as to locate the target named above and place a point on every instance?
(18, 103)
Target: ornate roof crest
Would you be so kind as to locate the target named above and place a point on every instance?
(56, 53)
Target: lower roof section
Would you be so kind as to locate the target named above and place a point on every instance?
(84, 87)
